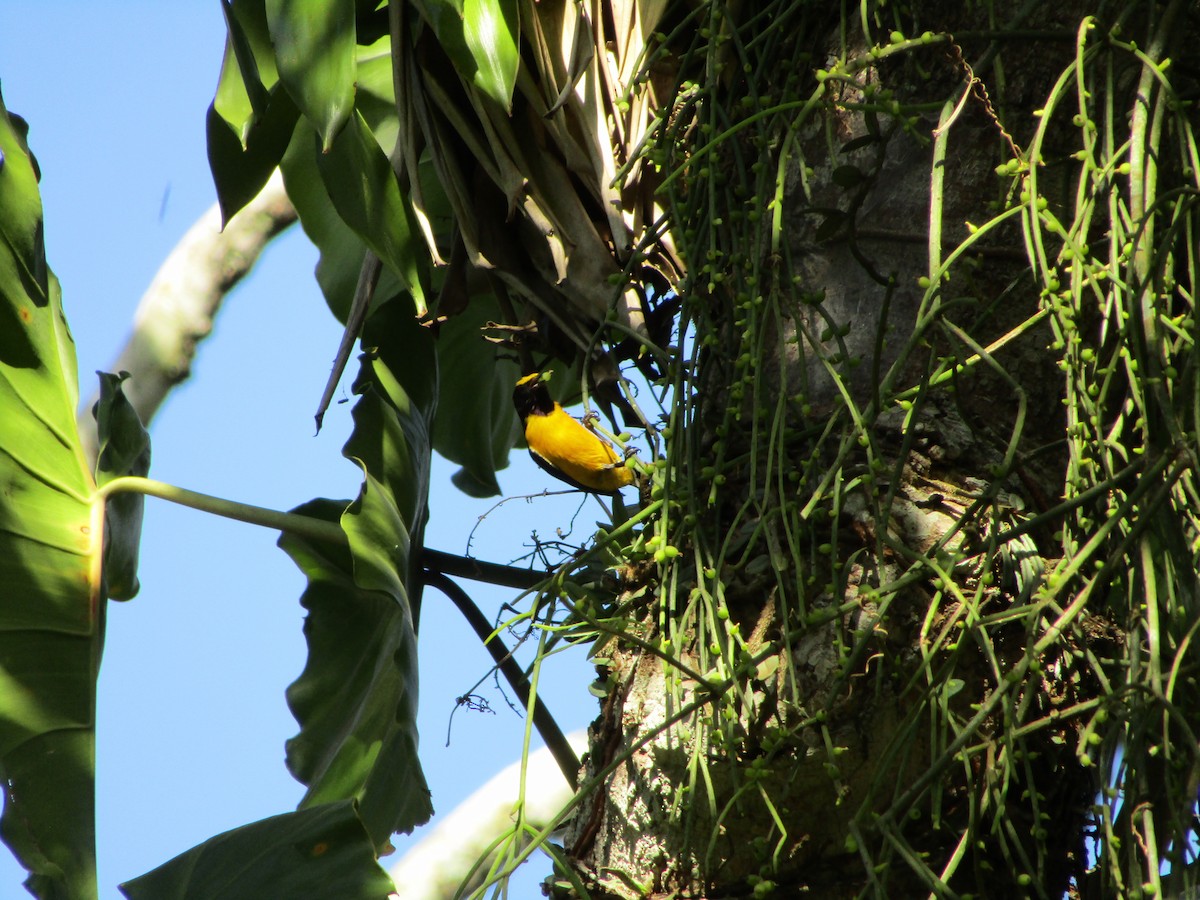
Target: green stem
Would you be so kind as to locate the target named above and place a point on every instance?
(304, 526)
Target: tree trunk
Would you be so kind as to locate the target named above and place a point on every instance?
(848, 684)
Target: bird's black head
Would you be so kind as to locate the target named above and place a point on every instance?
(531, 397)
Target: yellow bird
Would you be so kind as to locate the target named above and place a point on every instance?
(564, 447)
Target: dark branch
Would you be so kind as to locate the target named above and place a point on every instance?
(478, 570)
(556, 741)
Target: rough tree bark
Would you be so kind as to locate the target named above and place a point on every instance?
(781, 745)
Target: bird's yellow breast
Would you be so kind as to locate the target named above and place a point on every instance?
(571, 448)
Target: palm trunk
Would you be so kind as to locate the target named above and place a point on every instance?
(857, 679)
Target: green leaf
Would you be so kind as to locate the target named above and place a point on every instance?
(475, 424)
(481, 39)
(858, 143)
(356, 699)
(375, 93)
(248, 68)
(240, 169)
(491, 28)
(315, 48)
(124, 449)
(50, 604)
(832, 223)
(251, 118)
(847, 176)
(341, 249)
(318, 852)
(364, 190)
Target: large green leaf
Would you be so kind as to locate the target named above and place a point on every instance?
(341, 249)
(480, 37)
(50, 604)
(241, 170)
(476, 424)
(367, 193)
(252, 116)
(375, 91)
(491, 29)
(364, 190)
(315, 48)
(59, 555)
(318, 852)
(248, 68)
(357, 697)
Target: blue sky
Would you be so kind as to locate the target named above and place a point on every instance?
(192, 717)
